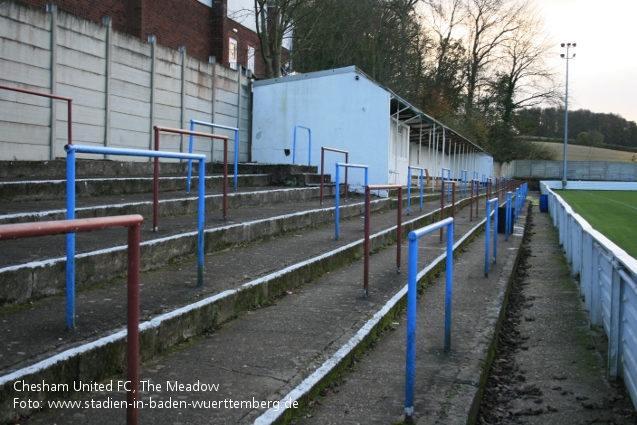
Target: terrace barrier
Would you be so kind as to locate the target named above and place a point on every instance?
(608, 284)
(475, 189)
(236, 149)
(422, 186)
(309, 153)
(337, 207)
(412, 296)
(69, 103)
(464, 181)
(133, 222)
(70, 210)
(399, 232)
(159, 130)
(323, 149)
(442, 203)
(488, 235)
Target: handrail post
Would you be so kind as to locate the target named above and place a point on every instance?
(408, 190)
(322, 175)
(366, 244)
(156, 184)
(507, 219)
(132, 336)
(399, 228)
(336, 211)
(201, 221)
(70, 241)
(412, 296)
(488, 235)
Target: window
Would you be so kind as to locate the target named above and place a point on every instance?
(233, 53)
(251, 58)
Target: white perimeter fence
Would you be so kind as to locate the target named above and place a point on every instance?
(608, 277)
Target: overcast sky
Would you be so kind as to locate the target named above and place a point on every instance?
(603, 75)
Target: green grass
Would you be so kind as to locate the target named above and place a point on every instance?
(612, 213)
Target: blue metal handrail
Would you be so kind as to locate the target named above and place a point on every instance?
(464, 180)
(337, 175)
(442, 172)
(236, 149)
(488, 235)
(71, 150)
(309, 154)
(412, 295)
(422, 171)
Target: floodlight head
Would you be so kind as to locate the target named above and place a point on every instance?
(574, 44)
(562, 55)
(574, 54)
(562, 45)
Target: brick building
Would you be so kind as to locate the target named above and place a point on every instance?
(224, 29)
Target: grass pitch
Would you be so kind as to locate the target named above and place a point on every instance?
(613, 213)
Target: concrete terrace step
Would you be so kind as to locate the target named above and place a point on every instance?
(39, 190)
(170, 204)
(102, 255)
(341, 300)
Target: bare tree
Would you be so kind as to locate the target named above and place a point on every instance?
(524, 79)
(490, 23)
(275, 22)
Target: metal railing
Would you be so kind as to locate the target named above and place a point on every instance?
(69, 103)
(337, 200)
(399, 232)
(71, 150)
(323, 149)
(488, 235)
(309, 153)
(412, 297)
(422, 186)
(608, 284)
(464, 181)
(442, 202)
(475, 189)
(442, 180)
(158, 130)
(236, 149)
(133, 222)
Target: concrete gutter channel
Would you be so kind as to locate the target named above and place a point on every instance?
(105, 357)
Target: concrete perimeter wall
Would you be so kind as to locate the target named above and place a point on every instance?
(121, 87)
(575, 170)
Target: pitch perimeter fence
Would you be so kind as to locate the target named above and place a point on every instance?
(608, 280)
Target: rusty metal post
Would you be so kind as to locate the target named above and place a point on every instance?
(132, 337)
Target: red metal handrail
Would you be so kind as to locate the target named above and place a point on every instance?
(399, 232)
(190, 133)
(323, 149)
(474, 183)
(68, 100)
(133, 222)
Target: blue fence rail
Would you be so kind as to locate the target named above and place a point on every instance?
(236, 149)
(412, 295)
(71, 150)
(337, 200)
(309, 151)
(422, 186)
(491, 202)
